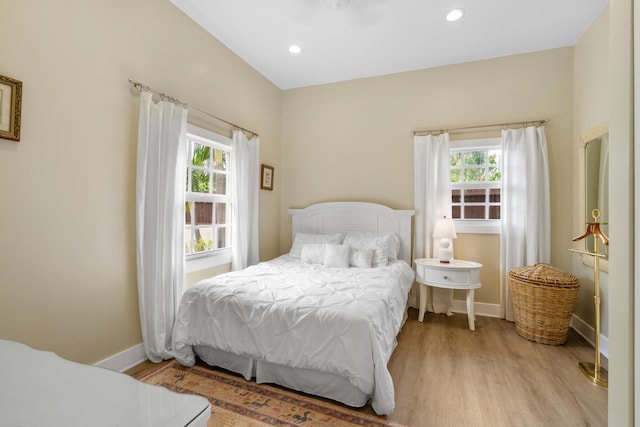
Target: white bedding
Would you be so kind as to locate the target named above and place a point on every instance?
(342, 321)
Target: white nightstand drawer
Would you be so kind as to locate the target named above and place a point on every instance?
(444, 277)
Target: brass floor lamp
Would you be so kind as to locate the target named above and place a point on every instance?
(593, 371)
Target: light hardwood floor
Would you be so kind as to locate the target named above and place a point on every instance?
(446, 375)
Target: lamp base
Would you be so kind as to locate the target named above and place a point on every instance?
(445, 253)
(600, 378)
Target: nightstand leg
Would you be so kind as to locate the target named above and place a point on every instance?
(471, 313)
(423, 302)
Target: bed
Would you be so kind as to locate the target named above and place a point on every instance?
(321, 319)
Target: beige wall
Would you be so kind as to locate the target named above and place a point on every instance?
(591, 109)
(485, 249)
(67, 245)
(354, 140)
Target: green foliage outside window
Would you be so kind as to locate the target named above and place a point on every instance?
(474, 166)
(200, 178)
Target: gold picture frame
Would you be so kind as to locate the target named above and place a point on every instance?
(10, 108)
(266, 181)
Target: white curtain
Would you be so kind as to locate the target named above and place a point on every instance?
(526, 214)
(432, 200)
(245, 172)
(160, 221)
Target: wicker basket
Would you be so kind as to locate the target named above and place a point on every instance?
(543, 300)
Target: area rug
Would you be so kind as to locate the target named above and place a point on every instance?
(239, 403)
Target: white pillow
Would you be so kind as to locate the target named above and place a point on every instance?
(394, 246)
(304, 238)
(361, 259)
(336, 256)
(385, 245)
(313, 253)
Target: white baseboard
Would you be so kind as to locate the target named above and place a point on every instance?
(587, 332)
(125, 359)
(481, 308)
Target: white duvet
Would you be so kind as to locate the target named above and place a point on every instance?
(338, 320)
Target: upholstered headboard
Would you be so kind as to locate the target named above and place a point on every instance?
(333, 217)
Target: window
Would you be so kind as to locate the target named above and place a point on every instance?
(207, 221)
(476, 178)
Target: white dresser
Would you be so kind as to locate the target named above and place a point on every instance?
(39, 388)
(457, 274)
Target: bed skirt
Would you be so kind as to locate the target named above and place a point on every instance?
(317, 383)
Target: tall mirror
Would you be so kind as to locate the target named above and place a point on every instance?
(596, 181)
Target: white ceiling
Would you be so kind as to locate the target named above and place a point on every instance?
(375, 37)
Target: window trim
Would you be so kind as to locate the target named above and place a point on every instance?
(477, 226)
(216, 257)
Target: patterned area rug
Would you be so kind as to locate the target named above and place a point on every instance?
(239, 403)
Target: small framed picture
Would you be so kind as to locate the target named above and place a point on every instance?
(266, 183)
(10, 108)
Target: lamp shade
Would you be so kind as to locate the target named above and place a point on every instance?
(444, 228)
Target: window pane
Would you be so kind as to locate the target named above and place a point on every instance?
(204, 239)
(495, 165)
(494, 195)
(219, 160)
(222, 237)
(495, 157)
(474, 174)
(455, 196)
(188, 243)
(454, 159)
(188, 208)
(474, 158)
(219, 183)
(203, 213)
(494, 212)
(201, 155)
(474, 212)
(455, 175)
(475, 196)
(495, 174)
(199, 181)
(455, 212)
(221, 213)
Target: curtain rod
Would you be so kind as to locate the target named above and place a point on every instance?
(143, 87)
(524, 124)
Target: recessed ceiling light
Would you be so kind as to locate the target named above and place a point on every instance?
(295, 49)
(338, 4)
(455, 14)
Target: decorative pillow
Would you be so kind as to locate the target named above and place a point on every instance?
(385, 245)
(336, 256)
(361, 259)
(313, 253)
(304, 238)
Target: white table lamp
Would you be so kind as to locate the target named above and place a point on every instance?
(445, 231)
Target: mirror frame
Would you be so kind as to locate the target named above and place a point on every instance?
(594, 133)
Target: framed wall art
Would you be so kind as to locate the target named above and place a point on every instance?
(266, 182)
(10, 108)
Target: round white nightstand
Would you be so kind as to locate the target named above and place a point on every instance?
(457, 274)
